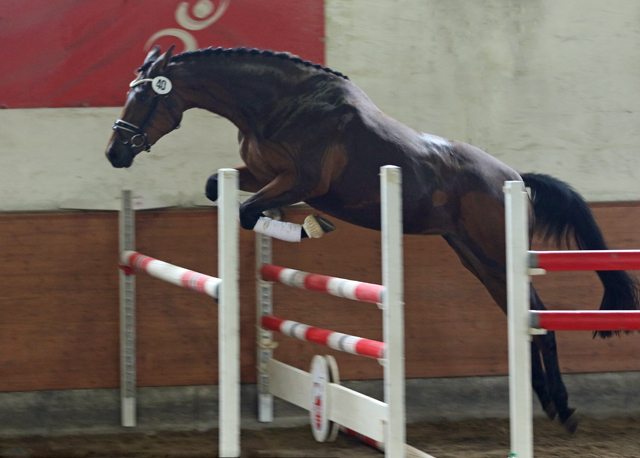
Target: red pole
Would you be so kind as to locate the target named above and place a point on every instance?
(586, 260)
(583, 320)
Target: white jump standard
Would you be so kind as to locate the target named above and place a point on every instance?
(521, 264)
(223, 289)
(382, 421)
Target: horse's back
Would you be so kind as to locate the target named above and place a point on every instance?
(374, 138)
(439, 175)
(336, 160)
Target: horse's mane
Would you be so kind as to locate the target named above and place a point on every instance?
(242, 51)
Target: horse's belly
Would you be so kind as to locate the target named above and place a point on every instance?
(364, 214)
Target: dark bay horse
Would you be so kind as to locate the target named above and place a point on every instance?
(308, 133)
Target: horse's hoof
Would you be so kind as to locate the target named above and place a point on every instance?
(571, 424)
(211, 190)
(326, 225)
(550, 410)
(316, 226)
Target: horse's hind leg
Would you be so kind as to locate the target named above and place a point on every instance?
(547, 346)
(567, 416)
(488, 266)
(539, 382)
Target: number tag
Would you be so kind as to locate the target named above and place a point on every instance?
(320, 379)
(161, 85)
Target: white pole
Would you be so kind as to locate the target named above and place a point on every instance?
(518, 283)
(127, 317)
(228, 315)
(264, 306)
(393, 305)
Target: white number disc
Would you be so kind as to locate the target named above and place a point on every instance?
(161, 85)
(319, 380)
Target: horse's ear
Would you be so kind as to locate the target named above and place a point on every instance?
(152, 56)
(160, 64)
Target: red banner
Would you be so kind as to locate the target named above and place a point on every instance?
(77, 53)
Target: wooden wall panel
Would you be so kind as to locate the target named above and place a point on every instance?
(59, 302)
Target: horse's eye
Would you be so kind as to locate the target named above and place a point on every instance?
(143, 97)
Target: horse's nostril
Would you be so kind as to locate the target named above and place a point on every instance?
(119, 159)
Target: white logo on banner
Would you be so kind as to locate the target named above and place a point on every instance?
(204, 12)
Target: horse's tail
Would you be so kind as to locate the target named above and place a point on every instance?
(561, 214)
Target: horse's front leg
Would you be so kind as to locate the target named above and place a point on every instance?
(282, 191)
(246, 182)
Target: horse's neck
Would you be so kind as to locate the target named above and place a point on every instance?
(239, 92)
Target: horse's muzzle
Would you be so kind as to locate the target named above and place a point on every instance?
(119, 159)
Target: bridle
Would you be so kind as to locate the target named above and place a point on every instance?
(161, 86)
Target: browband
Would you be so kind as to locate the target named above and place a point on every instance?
(134, 83)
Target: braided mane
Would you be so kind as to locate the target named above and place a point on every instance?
(242, 51)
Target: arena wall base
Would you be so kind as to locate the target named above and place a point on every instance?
(97, 411)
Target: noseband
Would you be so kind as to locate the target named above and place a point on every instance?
(161, 86)
(138, 139)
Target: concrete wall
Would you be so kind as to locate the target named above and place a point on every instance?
(188, 408)
(543, 85)
(55, 157)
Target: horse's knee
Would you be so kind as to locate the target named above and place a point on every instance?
(248, 217)
(211, 190)
(248, 223)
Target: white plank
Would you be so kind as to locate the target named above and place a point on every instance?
(356, 411)
(288, 383)
(346, 407)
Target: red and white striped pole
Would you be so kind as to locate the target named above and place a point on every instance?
(336, 340)
(170, 273)
(350, 289)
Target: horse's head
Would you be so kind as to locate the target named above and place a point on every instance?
(152, 110)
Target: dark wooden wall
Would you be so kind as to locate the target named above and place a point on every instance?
(59, 302)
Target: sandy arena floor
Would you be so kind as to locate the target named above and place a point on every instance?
(601, 438)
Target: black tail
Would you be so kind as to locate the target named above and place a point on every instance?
(561, 214)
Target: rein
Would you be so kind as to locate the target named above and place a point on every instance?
(161, 86)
